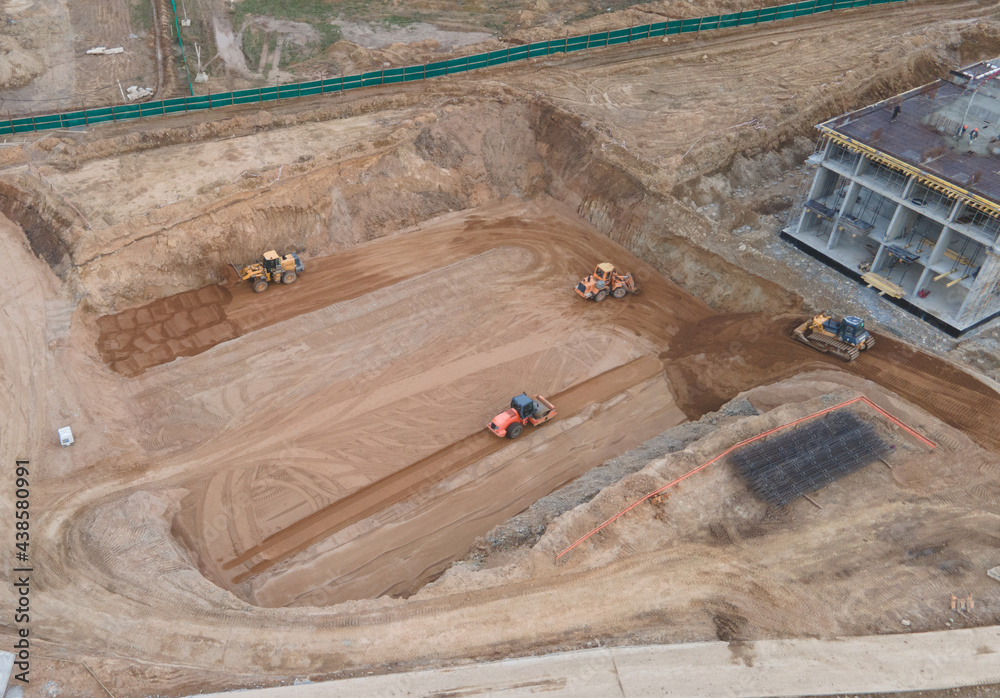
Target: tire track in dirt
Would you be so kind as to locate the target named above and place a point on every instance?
(189, 323)
(427, 471)
(710, 362)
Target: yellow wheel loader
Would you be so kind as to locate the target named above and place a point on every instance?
(271, 269)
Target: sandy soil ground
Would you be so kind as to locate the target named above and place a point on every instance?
(111, 527)
(250, 471)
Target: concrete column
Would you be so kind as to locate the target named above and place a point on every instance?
(908, 189)
(983, 301)
(879, 258)
(849, 201)
(923, 281)
(821, 172)
(955, 209)
(937, 254)
(896, 223)
(862, 161)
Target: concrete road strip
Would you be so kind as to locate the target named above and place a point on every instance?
(902, 662)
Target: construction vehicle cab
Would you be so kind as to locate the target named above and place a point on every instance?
(851, 330)
(605, 280)
(523, 410)
(845, 338)
(273, 269)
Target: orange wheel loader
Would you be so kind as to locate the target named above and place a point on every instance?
(605, 280)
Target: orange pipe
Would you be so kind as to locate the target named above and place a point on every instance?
(729, 450)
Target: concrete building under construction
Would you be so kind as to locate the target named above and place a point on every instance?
(906, 199)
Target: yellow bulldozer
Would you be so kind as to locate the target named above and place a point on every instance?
(845, 338)
(271, 269)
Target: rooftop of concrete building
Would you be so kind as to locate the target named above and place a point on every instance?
(949, 128)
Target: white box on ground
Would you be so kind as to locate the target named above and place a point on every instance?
(65, 436)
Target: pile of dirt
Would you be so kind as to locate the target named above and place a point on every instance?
(18, 66)
(525, 529)
(714, 512)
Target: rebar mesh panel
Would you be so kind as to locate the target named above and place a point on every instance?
(783, 467)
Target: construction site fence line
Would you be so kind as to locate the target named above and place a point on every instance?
(862, 399)
(538, 49)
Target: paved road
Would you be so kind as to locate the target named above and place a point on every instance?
(770, 668)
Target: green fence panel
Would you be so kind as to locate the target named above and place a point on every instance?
(766, 14)
(557, 46)
(393, 75)
(690, 25)
(374, 77)
(151, 108)
(22, 125)
(641, 32)
(598, 39)
(200, 102)
(99, 113)
(538, 48)
(315, 87)
(440, 68)
(419, 72)
(619, 36)
(47, 121)
(731, 20)
(69, 120)
(709, 23)
(99, 116)
(246, 96)
(125, 111)
(517, 53)
(806, 7)
(176, 105)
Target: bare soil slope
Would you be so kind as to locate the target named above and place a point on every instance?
(251, 471)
